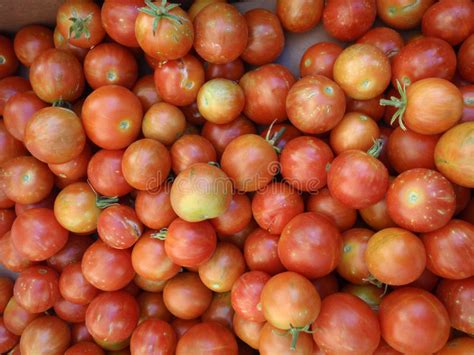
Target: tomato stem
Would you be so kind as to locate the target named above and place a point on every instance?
(63, 104)
(160, 12)
(161, 235)
(104, 201)
(372, 280)
(376, 149)
(214, 163)
(295, 333)
(80, 25)
(276, 137)
(399, 103)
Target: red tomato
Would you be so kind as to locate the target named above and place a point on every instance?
(85, 347)
(10, 86)
(426, 281)
(400, 315)
(190, 244)
(311, 245)
(315, 104)
(152, 306)
(182, 289)
(371, 108)
(75, 168)
(248, 331)
(47, 202)
(347, 20)
(319, 59)
(71, 253)
(178, 81)
(56, 75)
(299, 15)
(149, 259)
(465, 59)
(153, 334)
(421, 200)
(402, 14)
(164, 123)
(146, 92)
(10, 146)
(458, 346)
(106, 268)
(395, 256)
(124, 12)
(346, 325)
(453, 154)
(376, 215)
(370, 294)
(164, 31)
(45, 335)
(468, 98)
(220, 310)
(154, 209)
(149, 285)
(80, 22)
(117, 308)
(246, 293)
(266, 89)
(226, 257)
(7, 339)
(7, 216)
(16, 318)
(275, 341)
(456, 295)
(31, 41)
(60, 42)
(110, 64)
(236, 218)
(6, 292)
(463, 195)
(226, 39)
(112, 117)
(450, 20)
(232, 70)
(10, 258)
(389, 41)
(448, 248)
(74, 287)
(119, 227)
(326, 285)
(70, 312)
(261, 252)
(8, 60)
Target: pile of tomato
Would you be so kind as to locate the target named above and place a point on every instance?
(223, 205)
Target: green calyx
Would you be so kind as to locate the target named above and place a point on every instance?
(373, 281)
(399, 103)
(159, 12)
(161, 235)
(295, 333)
(79, 26)
(63, 104)
(377, 148)
(273, 139)
(104, 201)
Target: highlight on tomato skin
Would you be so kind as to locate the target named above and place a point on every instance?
(214, 177)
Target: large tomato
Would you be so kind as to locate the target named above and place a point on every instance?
(124, 12)
(153, 334)
(47, 335)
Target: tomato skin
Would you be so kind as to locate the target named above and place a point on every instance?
(149, 285)
(119, 227)
(261, 252)
(153, 333)
(371, 108)
(451, 21)
(319, 59)
(11, 259)
(346, 313)
(10, 146)
(389, 41)
(247, 331)
(118, 308)
(16, 318)
(31, 41)
(146, 92)
(6, 291)
(421, 200)
(402, 14)
(456, 295)
(57, 75)
(75, 168)
(8, 60)
(266, 89)
(299, 15)
(70, 312)
(7, 216)
(112, 117)
(226, 39)
(315, 104)
(232, 70)
(448, 248)
(376, 215)
(152, 306)
(348, 20)
(435, 58)
(45, 335)
(74, 287)
(452, 154)
(220, 310)
(401, 313)
(246, 293)
(9, 87)
(60, 42)
(124, 12)
(305, 236)
(154, 209)
(209, 338)
(7, 339)
(362, 71)
(85, 347)
(468, 98)
(465, 59)
(164, 123)
(370, 294)
(357, 179)
(458, 346)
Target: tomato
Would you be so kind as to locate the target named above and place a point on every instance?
(451, 21)
(468, 98)
(70, 312)
(395, 256)
(426, 281)
(71, 253)
(110, 64)
(16, 318)
(164, 123)
(120, 348)
(389, 41)
(178, 81)
(220, 310)
(47, 202)
(465, 58)
(8, 60)
(26, 180)
(232, 70)
(117, 308)
(315, 104)
(149, 285)
(427, 57)
(326, 285)
(226, 39)
(47, 335)
(60, 42)
(346, 314)
(198, 5)
(106, 268)
(362, 71)
(74, 287)
(85, 347)
(75, 168)
(80, 22)
(152, 306)
(354, 131)
(265, 38)
(6, 292)
(463, 195)
(275, 341)
(347, 20)
(124, 12)
(248, 331)
(119, 227)
(246, 293)
(164, 31)
(236, 218)
(223, 269)
(421, 200)
(319, 59)
(402, 14)
(10, 146)
(7, 339)
(284, 133)
(376, 215)
(221, 135)
(402, 312)
(456, 295)
(7, 216)
(10, 258)
(186, 297)
(146, 92)
(357, 179)
(370, 294)
(56, 75)
(201, 192)
(261, 252)
(112, 117)
(153, 334)
(458, 346)
(149, 259)
(371, 108)
(453, 154)
(266, 89)
(154, 209)
(299, 15)
(448, 248)
(10, 86)
(30, 42)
